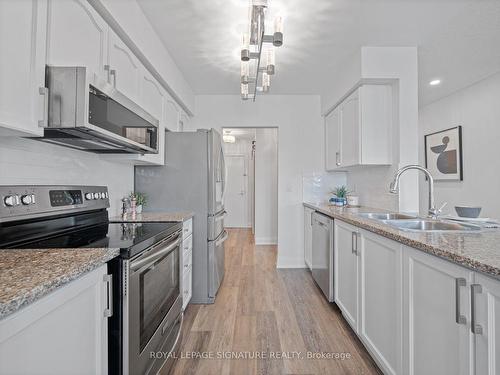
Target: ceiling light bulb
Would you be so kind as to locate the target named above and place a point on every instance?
(278, 32)
(245, 47)
(270, 61)
(435, 82)
(245, 71)
(266, 82)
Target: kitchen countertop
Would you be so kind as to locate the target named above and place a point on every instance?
(27, 275)
(152, 217)
(479, 251)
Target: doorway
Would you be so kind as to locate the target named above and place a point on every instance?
(252, 181)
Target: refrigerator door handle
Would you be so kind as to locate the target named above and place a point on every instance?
(224, 173)
(223, 238)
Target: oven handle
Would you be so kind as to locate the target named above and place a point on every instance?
(135, 265)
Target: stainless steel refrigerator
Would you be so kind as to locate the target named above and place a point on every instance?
(193, 179)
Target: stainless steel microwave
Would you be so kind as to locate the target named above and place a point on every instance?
(89, 114)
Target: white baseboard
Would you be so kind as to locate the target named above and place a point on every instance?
(283, 266)
(266, 241)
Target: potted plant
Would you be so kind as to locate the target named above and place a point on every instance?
(340, 193)
(140, 201)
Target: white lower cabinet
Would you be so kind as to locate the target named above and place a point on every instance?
(65, 332)
(308, 236)
(346, 271)
(187, 262)
(486, 307)
(437, 315)
(381, 301)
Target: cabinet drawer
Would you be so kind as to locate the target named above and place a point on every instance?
(187, 260)
(187, 244)
(187, 228)
(187, 288)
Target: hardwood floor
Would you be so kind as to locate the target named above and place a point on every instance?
(275, 313)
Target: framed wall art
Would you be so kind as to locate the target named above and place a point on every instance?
(443, 154)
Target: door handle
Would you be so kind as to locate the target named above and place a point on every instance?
(354, 244)
(112, 72)
(337, 158)
(459, 318)
(45, 92)
(108, 312)
(476, 328)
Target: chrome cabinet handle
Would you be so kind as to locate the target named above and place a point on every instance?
(45, 92)
(107, 68)
(112, 72)
(477, 329)
(337, 158)
(108, 312)
(459, 318)
(354, 245)
(312, 212)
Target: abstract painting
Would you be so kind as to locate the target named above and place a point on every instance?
(443, 154)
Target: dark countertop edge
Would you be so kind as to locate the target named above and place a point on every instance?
(395, 235)
(40, 291)
(185, 216)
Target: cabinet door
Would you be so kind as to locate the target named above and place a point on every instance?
(172, 115)
(308, 236)
(350, 131)
(22, 66)
(78, 36)
(381, 300)
(487, 309)
(65, 332)
(332, 140)
(436, 293)
(346, 271)
(125, 69)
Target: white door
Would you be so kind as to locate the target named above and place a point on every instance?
(236, 194)
(78, 36)
(22, 66)
(125, 69)
(437, 315)
(380, 318)
(332, 140)
(346, 271)
(487, 319)
(350, 131)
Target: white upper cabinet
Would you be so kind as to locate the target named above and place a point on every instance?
(125, 69)
(358, 130)
(77, 36)
(22, 67)
(172, 115)
(332, 139)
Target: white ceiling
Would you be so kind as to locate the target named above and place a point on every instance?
(458, 40)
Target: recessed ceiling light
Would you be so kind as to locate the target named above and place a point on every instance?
(435, 82)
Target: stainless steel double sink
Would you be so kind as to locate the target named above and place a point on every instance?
(416, 224)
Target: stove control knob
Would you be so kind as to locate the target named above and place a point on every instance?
(98, 195)
(89, 196)
(11, 200)
(27, 199)
(106, 195)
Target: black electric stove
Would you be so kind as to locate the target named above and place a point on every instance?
(70, 217)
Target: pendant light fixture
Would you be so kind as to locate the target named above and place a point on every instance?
(258, 61)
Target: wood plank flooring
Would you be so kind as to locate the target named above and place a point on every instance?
(261, 313)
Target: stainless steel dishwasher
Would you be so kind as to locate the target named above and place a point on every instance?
(322, 253)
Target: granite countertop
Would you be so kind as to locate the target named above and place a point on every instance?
(26, 275)
(152, 217)
(479, 251)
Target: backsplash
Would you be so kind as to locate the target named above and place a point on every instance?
(29, 162)
(317, 187)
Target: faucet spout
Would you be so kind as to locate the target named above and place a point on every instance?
(433, 212)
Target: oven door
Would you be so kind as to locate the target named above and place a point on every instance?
(154, 306)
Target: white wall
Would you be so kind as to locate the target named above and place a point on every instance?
(300, 151)
(26, 162)
(266, 186)
(477, 110)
